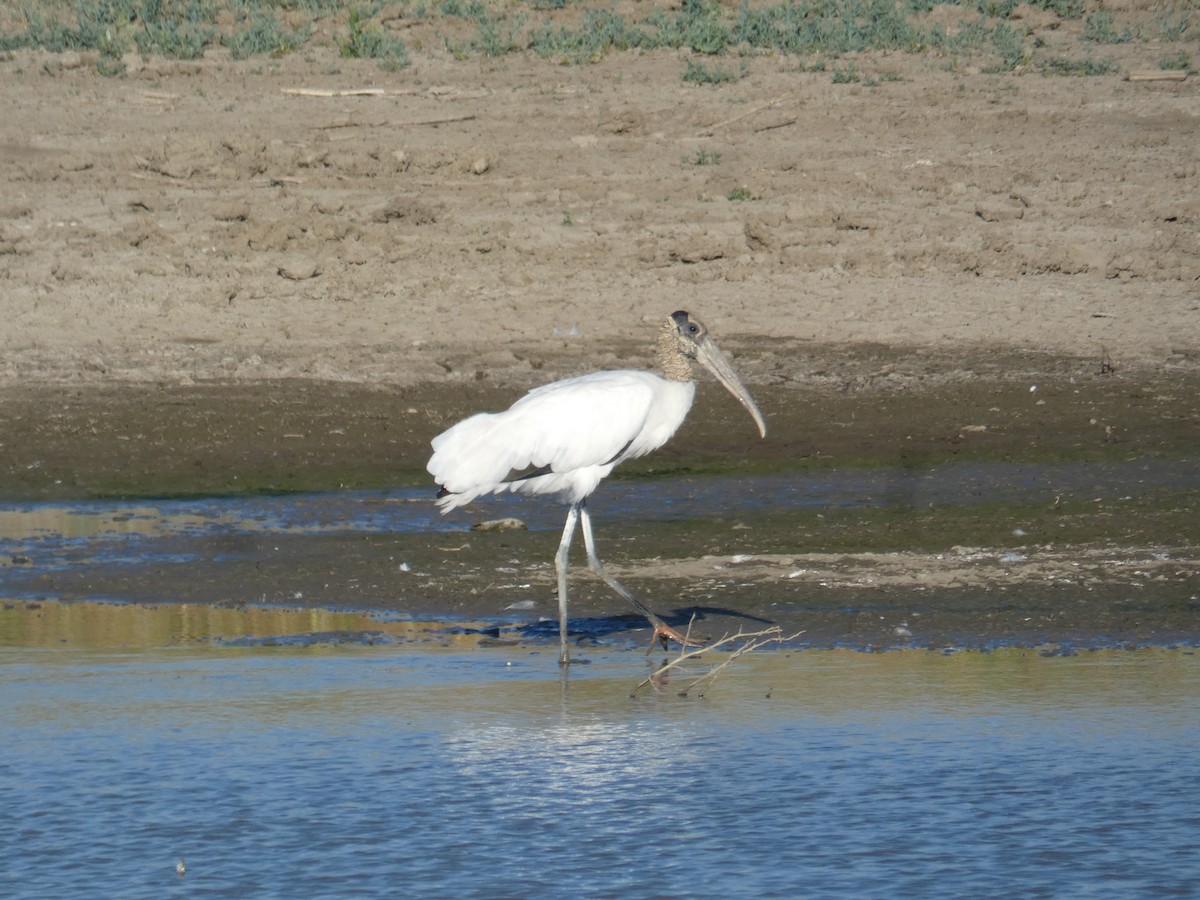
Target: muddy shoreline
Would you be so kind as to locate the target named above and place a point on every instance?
(1114, 568)
(867, 406)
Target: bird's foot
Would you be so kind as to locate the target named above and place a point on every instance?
(664, 634)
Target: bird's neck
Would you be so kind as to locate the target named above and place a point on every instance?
(674, 365)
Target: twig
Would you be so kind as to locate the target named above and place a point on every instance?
(1157, 76)
(752, 641)
(687, 635)
(708, 132)
(380, 124)
(776, 125)
(278, 181)
(347, 92)
(334, 125)
(444, 121)
(711, 675)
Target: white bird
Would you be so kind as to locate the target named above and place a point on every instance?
(564, 438)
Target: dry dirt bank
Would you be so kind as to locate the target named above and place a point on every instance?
(514, 219)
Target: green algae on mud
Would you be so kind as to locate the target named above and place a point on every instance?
(1165, 517)
(154, 440)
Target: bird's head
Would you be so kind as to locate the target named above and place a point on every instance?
(688, 332)
(689, 339)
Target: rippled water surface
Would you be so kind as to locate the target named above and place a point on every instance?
(335, 768)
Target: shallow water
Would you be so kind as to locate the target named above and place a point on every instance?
(63, 536)
(336, 768)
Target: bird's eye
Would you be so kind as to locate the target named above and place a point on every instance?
(693, 328)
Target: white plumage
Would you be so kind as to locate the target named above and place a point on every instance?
(578, 429)
(564, 438)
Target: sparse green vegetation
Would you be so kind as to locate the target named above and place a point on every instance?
(1064, 9)
(848, 75)
(991, 33)
(498, 36)
(739, 193)
(699, 73)
(833, 28)
(600, 31)
(263, 35)
(703, 157)
(1180, 62)
(1057, 65)
(368, 40)
(697, 26)
(176, 40)
(1174, 26)
(1100, 28)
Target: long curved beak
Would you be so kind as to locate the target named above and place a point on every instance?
(714, 360)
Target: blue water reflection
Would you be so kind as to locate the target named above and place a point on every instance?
(341, 772)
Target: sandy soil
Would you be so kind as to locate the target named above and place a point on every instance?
(197, 263)
(494, 218)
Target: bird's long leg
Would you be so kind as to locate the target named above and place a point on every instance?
(560, 565)
(662, 630)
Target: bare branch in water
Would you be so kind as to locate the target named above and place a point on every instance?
(749, 642)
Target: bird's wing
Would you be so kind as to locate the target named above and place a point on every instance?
(585, 421)
(567, 425)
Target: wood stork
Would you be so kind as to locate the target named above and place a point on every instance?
(564, 437)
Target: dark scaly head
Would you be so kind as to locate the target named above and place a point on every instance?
(684, 338)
